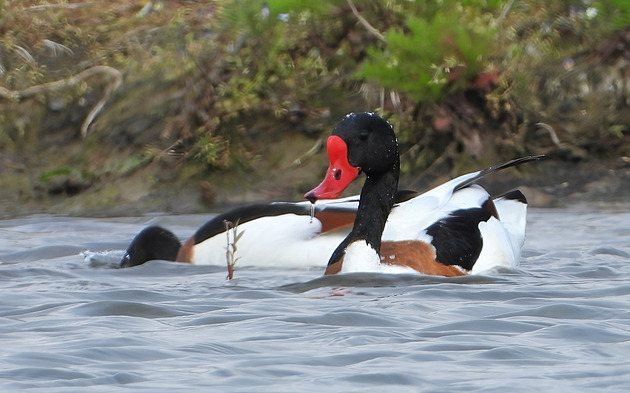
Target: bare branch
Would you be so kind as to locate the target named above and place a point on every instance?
(29, 92)
(504, 12)
(365, 23)
(552, 134)
(112, 87)
(55, 6)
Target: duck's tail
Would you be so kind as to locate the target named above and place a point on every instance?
(512, 210)
(151, 243)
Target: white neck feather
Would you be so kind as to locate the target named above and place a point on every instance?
(360, 257)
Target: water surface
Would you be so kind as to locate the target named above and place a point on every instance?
(71, 322)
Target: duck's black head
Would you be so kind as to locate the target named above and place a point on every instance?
(370, 141)
(361, 142)
(151, 243)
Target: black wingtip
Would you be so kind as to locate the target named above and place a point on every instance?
(492, 169)
(511, 163)
(151, 243)
(515, 195)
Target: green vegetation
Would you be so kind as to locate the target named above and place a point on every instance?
(439, 49)
(204, 87)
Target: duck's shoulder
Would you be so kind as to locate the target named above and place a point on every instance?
(332, 216)
(243, 214)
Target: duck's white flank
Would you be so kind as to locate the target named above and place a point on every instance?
(288, 240)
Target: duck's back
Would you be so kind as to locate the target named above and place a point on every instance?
(465, 226)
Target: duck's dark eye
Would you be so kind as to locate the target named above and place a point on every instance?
(363, 135)
(337, 174)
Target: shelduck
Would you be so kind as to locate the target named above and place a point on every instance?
(452, 230)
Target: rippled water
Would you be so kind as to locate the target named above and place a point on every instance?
(70, 320)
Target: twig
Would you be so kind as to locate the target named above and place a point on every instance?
(54, 6)
(552, 134)
(312, 151)
(364, 22)
(230, 249)
(504, 12)
(29, 92)
(448, 152)
(112, 87)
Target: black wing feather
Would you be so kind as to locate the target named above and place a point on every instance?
(457, 238)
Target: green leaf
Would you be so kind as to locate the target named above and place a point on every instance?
(56, 172)
(238, 236)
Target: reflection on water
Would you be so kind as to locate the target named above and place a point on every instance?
(70, 320)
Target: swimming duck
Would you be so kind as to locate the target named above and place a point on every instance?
(305, 234)
(265, 234)
(452, 230)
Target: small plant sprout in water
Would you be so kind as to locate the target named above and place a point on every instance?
(233, 236)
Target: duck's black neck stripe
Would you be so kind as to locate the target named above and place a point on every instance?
(377, 199)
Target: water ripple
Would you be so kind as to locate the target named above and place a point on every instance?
(71, 321)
